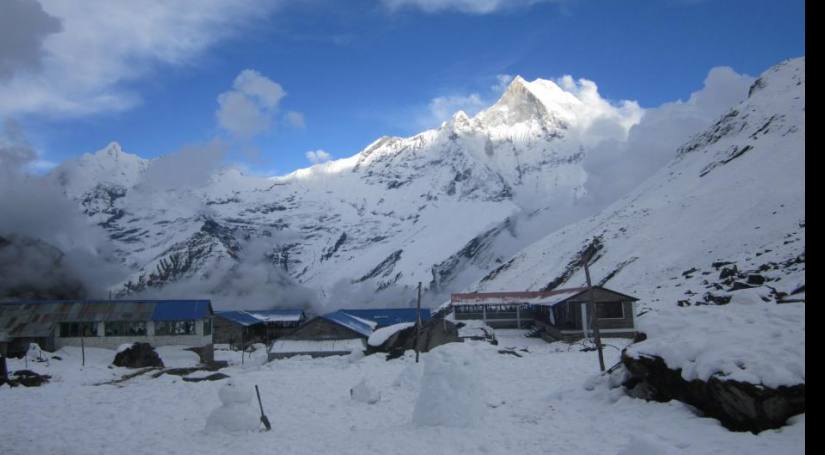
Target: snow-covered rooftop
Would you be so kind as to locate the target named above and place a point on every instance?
(532, 297)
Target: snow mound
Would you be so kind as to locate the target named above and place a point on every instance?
(642, 446)
(451, 390)
(383, 334)
(177, 356)
(236, 413)
(409, 378)
(364, 392)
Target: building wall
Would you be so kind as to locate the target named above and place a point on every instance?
(227, 331)
(499, 319)
(569, 327)
(196, 340)
(322, 329)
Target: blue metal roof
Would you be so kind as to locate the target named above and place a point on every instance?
(389, 316)
(349, 321)
(239, 317)
(178, 310)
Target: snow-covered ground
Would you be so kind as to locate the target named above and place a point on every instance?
(549, 400)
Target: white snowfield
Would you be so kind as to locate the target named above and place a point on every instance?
(537, 403)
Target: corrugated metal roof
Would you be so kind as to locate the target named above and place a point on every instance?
(281, 315)
(38, 318)
(349, 321)
(389, 316)
(239, 317)
(248, 318)
(543, 298)
(510, 297)
(179, 310)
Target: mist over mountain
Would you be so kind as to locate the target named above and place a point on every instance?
(444, 207)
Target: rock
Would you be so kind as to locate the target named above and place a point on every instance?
(27, 378)
(737, 285)
(728, 272)
(139, 355)
(211, 377)
(756, 279)
(739, 406)
(717, 299)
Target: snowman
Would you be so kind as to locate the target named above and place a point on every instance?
(237, 412)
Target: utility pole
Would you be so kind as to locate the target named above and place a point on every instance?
(417, 321)
(591, 306)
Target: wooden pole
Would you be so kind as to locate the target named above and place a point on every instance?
(417, 321)
(594, 318)
(82, 352)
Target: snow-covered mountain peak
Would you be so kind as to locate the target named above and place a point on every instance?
(109, 165)
(782, 77)
(529, 102)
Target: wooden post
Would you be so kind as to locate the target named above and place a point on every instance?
(4, 371)
(82, 352)
(591, 308)
(417, 321)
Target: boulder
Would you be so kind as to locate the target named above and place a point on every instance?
(739, 406)
(139, 355)
(26, 378)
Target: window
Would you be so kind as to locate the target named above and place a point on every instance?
(125, 328)
(207, 327)
(610, 310)
(175, 328)
(78, 329)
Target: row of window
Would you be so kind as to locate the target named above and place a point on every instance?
(131, 328)
(605, 310)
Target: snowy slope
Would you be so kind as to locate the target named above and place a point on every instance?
(723, 222)
(394, 214)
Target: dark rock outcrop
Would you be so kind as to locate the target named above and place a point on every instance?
(739, 406)
(140, 355)
(26, 378)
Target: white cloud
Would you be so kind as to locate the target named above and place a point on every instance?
(295, 119)
(103, 46)
(443, 107)
(318, 156)
(249, 108)
(23, 27)
(463, 6)
(502, 82)
(617, 166)
(599, 119)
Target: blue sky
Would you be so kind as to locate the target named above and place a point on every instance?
(369, 68)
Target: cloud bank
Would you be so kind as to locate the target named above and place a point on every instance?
(318, 156)
(462, 6)
(615, 166)
(69, 59)
(250, 107)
